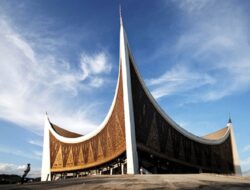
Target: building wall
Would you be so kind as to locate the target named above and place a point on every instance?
(156, 136)
(105, 146)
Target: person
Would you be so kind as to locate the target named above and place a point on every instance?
(141, 170)
(26, 171)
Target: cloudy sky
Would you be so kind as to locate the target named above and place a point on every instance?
(62, 57)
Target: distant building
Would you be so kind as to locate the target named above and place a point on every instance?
(136, 135)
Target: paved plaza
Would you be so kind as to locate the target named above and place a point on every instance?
(187, 181)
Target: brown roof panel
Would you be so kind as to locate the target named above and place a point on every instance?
(216, 135)
(64, 132)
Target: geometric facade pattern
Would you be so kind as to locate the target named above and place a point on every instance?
(108, 144)
(155, 134)
(138, 128)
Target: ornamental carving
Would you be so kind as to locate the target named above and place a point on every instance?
(108, 144)
(154, 134)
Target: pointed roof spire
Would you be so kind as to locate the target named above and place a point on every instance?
(229, 120)
(46, 114)
(120, 12)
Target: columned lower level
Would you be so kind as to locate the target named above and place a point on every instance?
(117, 166)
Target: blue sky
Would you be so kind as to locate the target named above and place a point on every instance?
(62, 57)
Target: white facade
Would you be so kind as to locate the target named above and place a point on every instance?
(131, 150)
(236, 159)
(45, 172)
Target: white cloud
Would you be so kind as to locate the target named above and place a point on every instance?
(178, 79)
(16, 152)
(38, 153)
(212, 52)
(30, 156)
(21, 167)
(96, 82)
(245, 162)
(11, 168)
(192, 6)
(32, 83)
(246, 148)
(7, 168)
(35, 142)
(22, 45)
(95, 64)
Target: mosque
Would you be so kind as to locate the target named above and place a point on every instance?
(136, 136)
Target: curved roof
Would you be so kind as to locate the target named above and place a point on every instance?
(69, 137)
(63, 132)
(69, 151)
(217, 134)
(186, 133)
